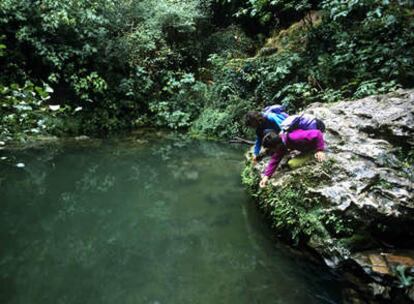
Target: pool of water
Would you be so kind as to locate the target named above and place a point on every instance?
(133, 220)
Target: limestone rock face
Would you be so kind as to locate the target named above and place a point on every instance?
(357, 208)
(364, 138)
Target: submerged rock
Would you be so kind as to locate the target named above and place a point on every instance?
(357, 208)
(20, 165)
(82, 137)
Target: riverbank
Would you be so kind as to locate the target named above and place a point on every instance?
(355, 210)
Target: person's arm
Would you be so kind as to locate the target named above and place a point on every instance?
(274, 162)
(257, 146)
(272, 166)
(316, 137)
(320, 143)
(320, 147)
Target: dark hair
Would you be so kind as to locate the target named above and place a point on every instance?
(253, 119)
(272, 140)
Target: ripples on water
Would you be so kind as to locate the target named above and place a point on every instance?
(131, 221)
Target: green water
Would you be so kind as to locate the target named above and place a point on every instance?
(130, 221)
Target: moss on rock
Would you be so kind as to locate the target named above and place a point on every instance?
(359, 200)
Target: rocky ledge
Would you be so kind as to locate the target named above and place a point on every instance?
(356, 209)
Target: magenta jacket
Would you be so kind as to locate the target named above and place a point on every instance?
(300, 140)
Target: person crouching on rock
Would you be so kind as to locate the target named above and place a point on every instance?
(309, 142)
(263, 123)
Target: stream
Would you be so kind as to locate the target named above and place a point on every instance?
(142, 219)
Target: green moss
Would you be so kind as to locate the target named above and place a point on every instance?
(406, 161)
(337, 226)
(313, 174)
(383, 184)
(294, 213)
(250, 179)
(358, 241)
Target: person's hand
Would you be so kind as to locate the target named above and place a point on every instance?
(254, 159)
(263, 181)
(320, 156)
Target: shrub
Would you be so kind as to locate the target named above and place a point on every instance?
(24, 112)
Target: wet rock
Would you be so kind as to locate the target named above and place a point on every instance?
(46, 139)
(379, 290)
(381, 264)
(81, 137)
(358, 206)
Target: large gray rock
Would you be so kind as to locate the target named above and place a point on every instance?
(357, 208)
(364, 137)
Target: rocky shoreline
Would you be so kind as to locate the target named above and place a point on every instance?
(356, 210)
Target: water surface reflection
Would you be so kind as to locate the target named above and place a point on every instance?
(137, 221)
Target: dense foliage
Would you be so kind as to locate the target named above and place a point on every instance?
(349, 49)
(198, 64)
(122, 62)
